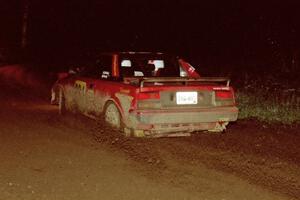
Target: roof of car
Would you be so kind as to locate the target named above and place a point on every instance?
(131, 53)
(140, 52)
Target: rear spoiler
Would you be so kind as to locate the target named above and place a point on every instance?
(185, 80)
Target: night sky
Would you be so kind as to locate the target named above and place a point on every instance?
(226, 30)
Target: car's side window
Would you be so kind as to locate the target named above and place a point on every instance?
(89, 70)
(104, 65)
(99, 68)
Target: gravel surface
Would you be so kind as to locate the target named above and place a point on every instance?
(47, 156)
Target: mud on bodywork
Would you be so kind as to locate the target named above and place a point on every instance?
(86, 101)
(125, 103)
(164, 123)
(152, 94)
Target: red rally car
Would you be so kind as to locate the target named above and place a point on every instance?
(147, 95)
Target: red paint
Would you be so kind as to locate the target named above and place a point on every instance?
(127, 94)
(148, 95)
(191, 71)
(224, 94)
(62, 75)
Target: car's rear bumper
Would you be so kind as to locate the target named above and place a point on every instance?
(170, 121)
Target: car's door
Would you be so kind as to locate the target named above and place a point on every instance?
(98, 85)
(91, 85)
(83, 85)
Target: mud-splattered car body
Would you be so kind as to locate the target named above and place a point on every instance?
(147, 94)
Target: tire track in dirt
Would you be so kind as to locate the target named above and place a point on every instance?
(248, 151)
(271, 166)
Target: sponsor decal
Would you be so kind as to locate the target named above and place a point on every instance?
(81, 85)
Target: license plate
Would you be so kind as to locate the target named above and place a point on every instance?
(183, 98)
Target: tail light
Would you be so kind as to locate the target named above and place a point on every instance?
(149, 100)
(148, 95)
(224, 96)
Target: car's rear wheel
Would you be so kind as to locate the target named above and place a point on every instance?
(112, 115)
(61, 102)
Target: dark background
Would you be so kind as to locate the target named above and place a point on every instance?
(216, 35)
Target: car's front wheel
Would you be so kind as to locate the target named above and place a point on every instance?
(61, 102)
(112, 115)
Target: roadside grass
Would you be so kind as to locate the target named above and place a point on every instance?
(282, 107)
(268, 96)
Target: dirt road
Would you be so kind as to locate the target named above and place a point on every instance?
(47, 156)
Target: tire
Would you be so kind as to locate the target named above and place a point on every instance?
(112, 115)
(53, 100)
(61, 103)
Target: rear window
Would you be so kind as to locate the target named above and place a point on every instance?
(136, 65)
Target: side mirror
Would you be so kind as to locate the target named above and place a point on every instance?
(62, 75)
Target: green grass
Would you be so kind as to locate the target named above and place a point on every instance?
(268, 107)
